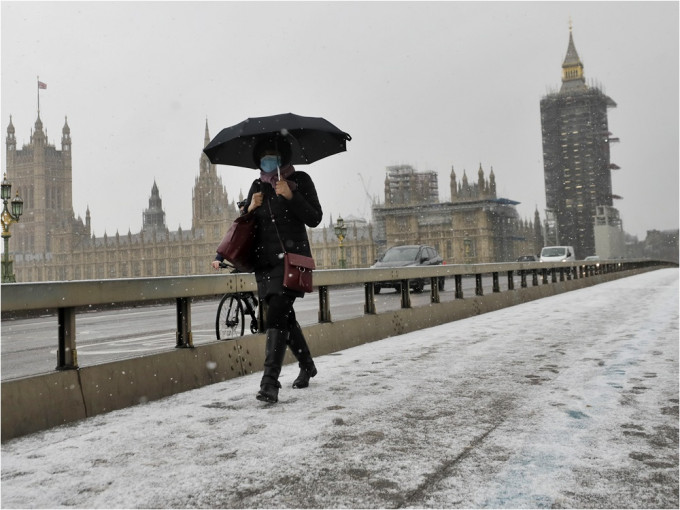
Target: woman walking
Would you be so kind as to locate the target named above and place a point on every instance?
(284, 202)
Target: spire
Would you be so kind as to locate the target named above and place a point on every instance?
(572, 58)
(38, 124)
(38, 136)
(492, 183)
(66, 136)
(205, 166)
(572, 67)
(154, 216)
(11, 141)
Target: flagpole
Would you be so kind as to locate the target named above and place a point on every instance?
(38, 85)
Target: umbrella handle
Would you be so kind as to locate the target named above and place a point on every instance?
(278, 170)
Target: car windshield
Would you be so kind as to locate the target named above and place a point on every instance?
(401, 254)
(553, 252)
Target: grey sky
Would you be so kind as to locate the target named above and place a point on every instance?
(434, 85)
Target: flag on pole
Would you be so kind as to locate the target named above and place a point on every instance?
(42, 85)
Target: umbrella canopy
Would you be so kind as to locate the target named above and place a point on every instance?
(311, 139)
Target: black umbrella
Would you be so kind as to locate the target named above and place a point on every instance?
(311, 139)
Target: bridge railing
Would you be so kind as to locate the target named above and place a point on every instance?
(71, 393)
(67, 297)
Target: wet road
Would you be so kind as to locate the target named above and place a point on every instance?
(29, 346)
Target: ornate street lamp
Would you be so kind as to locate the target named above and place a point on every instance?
(340, 233)
(9, 216)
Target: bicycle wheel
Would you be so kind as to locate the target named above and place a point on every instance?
(230, 322)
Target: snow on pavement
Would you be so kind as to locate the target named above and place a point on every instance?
(568, 401)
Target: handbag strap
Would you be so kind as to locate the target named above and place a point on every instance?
(275, 227)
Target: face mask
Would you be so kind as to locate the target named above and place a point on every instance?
(269, 163)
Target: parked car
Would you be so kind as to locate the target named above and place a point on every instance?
(557, 254)
(527, 258)
(409, 255)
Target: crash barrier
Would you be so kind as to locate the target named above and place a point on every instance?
(71, 392)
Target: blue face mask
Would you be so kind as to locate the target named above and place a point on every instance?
(269, 163)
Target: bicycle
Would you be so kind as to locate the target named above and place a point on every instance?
(231, 313)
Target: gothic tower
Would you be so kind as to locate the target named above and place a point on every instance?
(154, 216)
(42, 175)
(577, 168)
(212, 212)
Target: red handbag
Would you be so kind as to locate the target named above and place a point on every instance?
(298, 272)
(238, 243)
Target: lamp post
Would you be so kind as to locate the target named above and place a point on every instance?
(9, 216)
(341, 232)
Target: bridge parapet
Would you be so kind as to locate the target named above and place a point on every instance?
(40, 402)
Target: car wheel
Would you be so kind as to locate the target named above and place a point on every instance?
(442, 281)
(418, 287)
(376, 289)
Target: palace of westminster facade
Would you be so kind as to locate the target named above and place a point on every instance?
(50, 244)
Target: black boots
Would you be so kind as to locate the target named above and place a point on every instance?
(299, 347)
(275, 350)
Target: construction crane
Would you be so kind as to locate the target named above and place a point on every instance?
(368, 196)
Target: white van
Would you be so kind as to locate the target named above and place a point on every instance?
(557, 254)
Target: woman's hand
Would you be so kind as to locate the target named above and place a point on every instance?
(283, 189)
(216, 264)
(255, 201)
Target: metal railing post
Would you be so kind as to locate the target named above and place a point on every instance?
(434, 289)
(184, 335)
(324, 305)
(511, 280)
(67, 355)
(369, 298)
(479, 290)
(495, 285)
(459, 286)
(405, 294)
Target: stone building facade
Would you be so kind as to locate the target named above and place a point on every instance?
(51, 244)
(475, 226)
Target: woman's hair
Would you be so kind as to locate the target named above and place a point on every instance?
(275, 143)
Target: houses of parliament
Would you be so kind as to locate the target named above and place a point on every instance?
(473, 226)
(50, 243)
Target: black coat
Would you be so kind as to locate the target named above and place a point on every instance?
(291, 217)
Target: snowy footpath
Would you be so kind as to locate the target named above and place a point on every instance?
(565, 402)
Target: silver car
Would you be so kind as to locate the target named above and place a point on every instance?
(409, 255)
